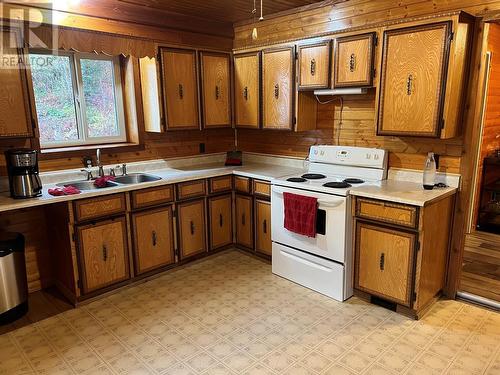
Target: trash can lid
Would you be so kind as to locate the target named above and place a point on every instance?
(9, 242)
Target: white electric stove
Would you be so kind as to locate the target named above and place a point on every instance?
(324, 263)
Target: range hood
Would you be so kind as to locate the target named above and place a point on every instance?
(350, 91)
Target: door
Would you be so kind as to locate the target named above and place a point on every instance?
(263, 243)
(180, 90)
(153, 239)
(221, 223)
(314, 66)
(103, 253)
(244, 223)
(413, 80)
(384, 262)
(354, 60)
(277, 88)
(191, 221)
(216, 88)
(15, 120)
(247, 90)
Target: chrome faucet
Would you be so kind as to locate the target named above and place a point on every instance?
(99, 165)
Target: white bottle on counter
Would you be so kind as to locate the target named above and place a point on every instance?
(429, 172)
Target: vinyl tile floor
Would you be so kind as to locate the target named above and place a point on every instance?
(228, 314)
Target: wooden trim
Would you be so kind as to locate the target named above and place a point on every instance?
(102, 210)
(151, 192)
(301, 46)
(181, 185)
(442, 79)
(371, 36)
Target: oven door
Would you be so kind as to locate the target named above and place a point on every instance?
(331, 228)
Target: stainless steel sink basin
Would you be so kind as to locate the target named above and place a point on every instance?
(86, 185)
(136, 178)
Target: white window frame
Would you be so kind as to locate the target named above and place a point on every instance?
(79, 100)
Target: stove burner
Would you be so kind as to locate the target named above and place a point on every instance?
(313, 176)
(337, 185)
(354, 181)
(296, 179)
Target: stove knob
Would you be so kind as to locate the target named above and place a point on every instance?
(315, 152)
(375, 157)
(368, 156)
(322, 153)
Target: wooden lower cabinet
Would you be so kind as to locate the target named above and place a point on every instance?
(263, 242)
(244, 222)
(191, 224)
(384, 262)
(221, 223)
(153, 238)
(103, 253)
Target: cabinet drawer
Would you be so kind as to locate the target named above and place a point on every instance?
(220, 184)
(191, 189)
(384, 262)
(93, 208)
(392, 213)
(262, 188)
(152, 196)
(242, 184)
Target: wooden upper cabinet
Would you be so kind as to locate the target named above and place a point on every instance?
(314, 65)
(191, 224)
(153, 239)
(180, 88)
(216, 86)
(103, 253)
(247, 90)
(413, 80)
(354, 58)
(278, 88)
(15, 120)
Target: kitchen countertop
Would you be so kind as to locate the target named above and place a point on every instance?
(169, 176)
(405, 192)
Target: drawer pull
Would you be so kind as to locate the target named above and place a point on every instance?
(276, 91)
(243, 219)
(104, 253)
(220, 220)
(181, 91)
(245, 93)
(217, 92)
(382, 261)
(352, 63)
(264, 225)
(313, 67)
(192, 227)
(153, 235)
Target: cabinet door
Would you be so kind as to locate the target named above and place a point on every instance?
(221, 223)
(15, 120)
(180, 90)
(191, 221)
(354, 60)
(153, 239)
(216, 86)
(247, 90)
(314, 66)
(103, 253)
(413, 80)
(244, 223)
(263, 242)
(384, 262)
(277, 88)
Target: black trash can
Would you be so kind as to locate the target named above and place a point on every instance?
(13, 281)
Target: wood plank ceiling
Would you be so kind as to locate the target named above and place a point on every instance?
(214, 17)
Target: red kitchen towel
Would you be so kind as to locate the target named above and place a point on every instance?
(300, 214)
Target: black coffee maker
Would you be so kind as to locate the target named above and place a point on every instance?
(22, 166)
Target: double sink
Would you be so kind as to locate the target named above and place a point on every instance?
(128, 179)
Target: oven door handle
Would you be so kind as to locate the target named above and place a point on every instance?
(321, 203)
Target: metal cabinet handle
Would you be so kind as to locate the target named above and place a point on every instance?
(382, 261)
(243, 219)
(409, 85)
(192, 228)
(313, 67)
(276, 91)
(245, 93)
(220, 220)
(264, 224)
(154, 238)
(104, 253)
(352, 63)
(181, 91)
(217, 92)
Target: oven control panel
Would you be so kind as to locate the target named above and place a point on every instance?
(352, 156)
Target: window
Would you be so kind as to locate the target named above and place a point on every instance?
(78, 99)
